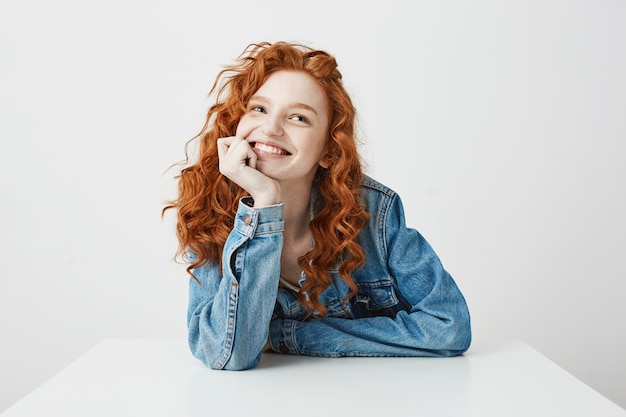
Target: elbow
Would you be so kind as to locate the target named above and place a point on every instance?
(236, 362)
(457, 337)
(216, 357)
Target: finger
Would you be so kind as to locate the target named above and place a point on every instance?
(223, 144)
(224, 152)
(226, 146)
(244, 151)
(251, 158)
(235, 158)
(239, 149)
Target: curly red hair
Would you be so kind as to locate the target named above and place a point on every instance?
(207, 200)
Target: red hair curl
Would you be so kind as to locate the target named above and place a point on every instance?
(207, 201)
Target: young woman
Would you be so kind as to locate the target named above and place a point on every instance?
(291, 248)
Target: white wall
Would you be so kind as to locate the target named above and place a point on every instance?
(502, 125)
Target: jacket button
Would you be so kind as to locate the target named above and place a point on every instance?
(283, 348)
(247, 220)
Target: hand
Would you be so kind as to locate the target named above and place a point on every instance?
(267, 347)
(238, 162)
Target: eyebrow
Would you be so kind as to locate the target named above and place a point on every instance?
(295, 104)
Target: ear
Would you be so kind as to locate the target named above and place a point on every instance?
(325, 161)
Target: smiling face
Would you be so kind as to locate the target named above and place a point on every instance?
(286, 124)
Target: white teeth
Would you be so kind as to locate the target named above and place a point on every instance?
(269, 149)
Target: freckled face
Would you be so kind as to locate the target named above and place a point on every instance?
(286, 123)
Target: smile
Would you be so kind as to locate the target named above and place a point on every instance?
(265, 148)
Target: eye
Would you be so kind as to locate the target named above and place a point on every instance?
(299, 118)
(257, 108)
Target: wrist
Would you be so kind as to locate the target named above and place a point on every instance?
(268, 198)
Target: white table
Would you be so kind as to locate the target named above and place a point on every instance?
(161, 378)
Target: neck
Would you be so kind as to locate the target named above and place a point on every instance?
(296, 215)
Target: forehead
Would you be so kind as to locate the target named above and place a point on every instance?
(286, 87)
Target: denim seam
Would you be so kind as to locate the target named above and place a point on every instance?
(383, 226)
(230, 327)
(290, 336)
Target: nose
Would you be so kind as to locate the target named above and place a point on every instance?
(272, 126)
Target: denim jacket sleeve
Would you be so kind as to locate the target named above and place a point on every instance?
(229, 311)
(434, 321)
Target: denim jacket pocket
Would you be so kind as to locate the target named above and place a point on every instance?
(377, 298)
(287, 306)
(332, 300)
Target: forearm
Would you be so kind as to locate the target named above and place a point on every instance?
(417, 334)
(230, 313)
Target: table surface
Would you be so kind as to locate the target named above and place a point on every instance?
(161, 378)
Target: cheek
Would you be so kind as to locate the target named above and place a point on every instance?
(323, 144)
(244, 127)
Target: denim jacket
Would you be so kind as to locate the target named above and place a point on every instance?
(407, 303)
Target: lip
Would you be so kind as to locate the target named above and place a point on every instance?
(253, 144)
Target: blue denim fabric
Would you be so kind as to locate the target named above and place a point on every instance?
(407, 304)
